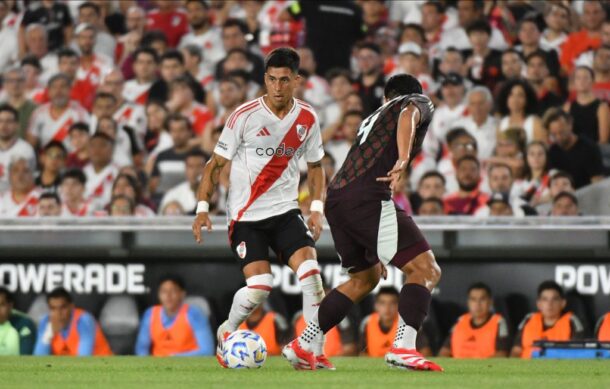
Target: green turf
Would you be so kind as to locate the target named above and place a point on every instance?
(178, 373)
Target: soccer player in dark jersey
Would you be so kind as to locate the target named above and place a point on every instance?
(370, 231)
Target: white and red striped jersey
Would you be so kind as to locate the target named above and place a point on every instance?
(9, 207)
(19, 150)
(211, 44)
(135, 92)
(98, 189)
(265, 153)
(84, 210)
(132, 115)
(199, 116)
(46, 127)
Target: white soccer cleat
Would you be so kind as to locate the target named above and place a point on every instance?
(409, 360)
(222, 334)
(298, 357)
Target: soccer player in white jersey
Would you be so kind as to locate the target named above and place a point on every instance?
(264, 139)
(11, 146)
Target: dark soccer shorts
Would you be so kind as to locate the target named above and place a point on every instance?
(284, 234)
(366, 233)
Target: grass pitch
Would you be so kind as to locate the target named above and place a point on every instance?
(178, 373)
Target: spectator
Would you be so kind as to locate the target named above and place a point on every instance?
(156, 138)
(8, 36)
(529, 35)
(172, 68)
(460, 143)
(234, 36)
(49, 204)
(347, 134)
(174, 328)
(131, 40)
(572, 153)
(17, 331)
(452, 61)
(557, 19)
(125, 150)
(173, 208)
(316, 90)
(534, 187)
(145, 63)
(501, 181)
(602, 329)
(203, 34)
(510, 149)
(431, 185)
(431, 206)
(478, 121)
(72, 192)
(53, 14)
(231, 94)
(52, 121)
(36, 44)
(52, 162)
(83, 83)
(468, 199)
(601, 66)
(550, 322)
(590, 115)
(587, 38)
(377, 331)
(499, 205)
(32, 71)
(484, 62)
(91, 14)
(100, 172)
(68, 330)
(11, 147)
(91, 60)
(185, 194)
(560, 182)
(411, 61)
(79, 138)
(169, 19)
(121, 206)
(128, 186)
(512, 66)
(546, 87)
(182, 101)
(13, 81)
(271, 326)
(480, 333)
(21, 199)
(517, 105)
(588, 58)
(371, 81)
(565, 204)
(340, 85)
(193, 56)
(169, 165)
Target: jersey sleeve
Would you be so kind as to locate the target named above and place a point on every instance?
(423, 104)
(43, 343)
(143, 341)
(314, 149)
(86, 332)
(230, 138)
(203, 333)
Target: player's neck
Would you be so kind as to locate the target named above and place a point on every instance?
(280, 112)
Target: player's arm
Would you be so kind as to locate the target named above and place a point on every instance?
(143, 342)
(405, 134)
(86, 335)
(45, 336)
(203, 334)
(207, 187)
(316, 181)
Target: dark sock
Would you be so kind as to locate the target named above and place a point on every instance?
(333, 309)
(413, 304)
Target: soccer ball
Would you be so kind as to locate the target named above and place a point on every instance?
(244, 349)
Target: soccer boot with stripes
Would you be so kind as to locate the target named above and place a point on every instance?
(409, 359)
(298, 357)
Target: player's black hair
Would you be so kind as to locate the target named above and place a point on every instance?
(283, 57)
(232, 22)
(104, 95)
(93, 6)
(531, 101)
(177, 117)
(57, 77)
(417, 27)
(50, 195)
(550, 285)
(436, 4)
(66, 52)
(172, 55)
(151, 37)
(565, 194)
(32, 61)
(333, 73)
(432, 173)
(79, 126)
(480, 286)
(76, 174)
(55, 144)
(480, 26)
(468, 158)
(458, 132)
(390, 290)
(401, 84)
(174, 278)
(102, 135)
(561, 174)
(9, 108)
(8, 295)
(202, 3)
(59, 293)
(554, 114)
(146, 50)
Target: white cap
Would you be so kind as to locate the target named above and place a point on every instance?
(410, 47)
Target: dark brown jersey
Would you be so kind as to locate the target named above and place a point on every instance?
(375, 151)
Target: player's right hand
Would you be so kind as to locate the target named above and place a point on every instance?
(202, 219)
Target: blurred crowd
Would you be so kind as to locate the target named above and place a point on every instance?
(111, 108)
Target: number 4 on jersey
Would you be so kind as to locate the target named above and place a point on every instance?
(367, 125)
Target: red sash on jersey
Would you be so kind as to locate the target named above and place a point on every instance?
(63, 131)
(28, 206)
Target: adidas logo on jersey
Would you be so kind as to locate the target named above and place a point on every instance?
(263, 132)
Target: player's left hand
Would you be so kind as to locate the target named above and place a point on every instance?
(394, 175)
(315, 225)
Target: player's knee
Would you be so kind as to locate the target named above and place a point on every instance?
(424, 267)
(259, 287)
(365, 283)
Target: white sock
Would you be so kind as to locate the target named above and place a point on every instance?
(248, 298)
(310, 335)
(313, 293)
(405, 336)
